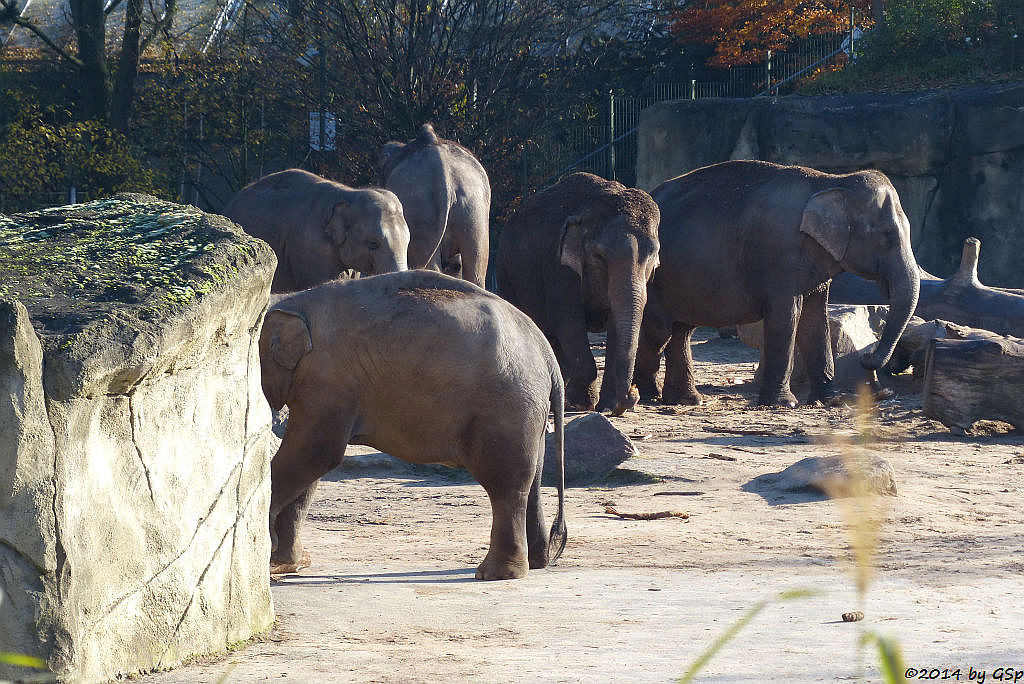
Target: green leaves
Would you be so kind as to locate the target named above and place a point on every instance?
(734, 629)
(22, 660)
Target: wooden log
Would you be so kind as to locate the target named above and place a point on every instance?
(974, 379)
(960, 299)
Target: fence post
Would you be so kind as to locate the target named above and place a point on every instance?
(611, 135)
(851, 32)
(693, 89)
(768, 73)
(525, 171)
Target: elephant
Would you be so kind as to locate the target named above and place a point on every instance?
(447, 200)
(576, 257)
(427, 368)
(747, 240)
(320, 229)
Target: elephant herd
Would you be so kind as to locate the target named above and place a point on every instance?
(377, 361)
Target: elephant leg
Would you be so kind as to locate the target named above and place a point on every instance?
(536, 531)
(654, 335)
(304, 457)
(502, 457)
(578, 367)
(287, 554)
(507, 556)
(680, 383)
(780, 323)
(474, 257)
(815, 345)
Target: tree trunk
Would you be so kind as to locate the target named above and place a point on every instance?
(127, 68)
(961, 299)
(968, 380)
(878, 13)
(94, 85)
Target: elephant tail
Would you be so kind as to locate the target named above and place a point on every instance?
(559, 534)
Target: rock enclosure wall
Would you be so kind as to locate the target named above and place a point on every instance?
(955, 157)
(135, 441)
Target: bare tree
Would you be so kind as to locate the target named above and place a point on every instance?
(101, 97)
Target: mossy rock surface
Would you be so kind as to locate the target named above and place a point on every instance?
(129, 253)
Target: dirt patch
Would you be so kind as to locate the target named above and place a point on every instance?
(390, 596)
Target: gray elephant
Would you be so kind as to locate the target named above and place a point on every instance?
(319, 228)
(750, 240)
(576, 257)
(447, 200)
(427, 368)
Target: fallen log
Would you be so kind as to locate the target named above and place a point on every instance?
(969, 380)
(960, 299)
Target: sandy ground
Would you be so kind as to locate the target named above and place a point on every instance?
(391, 595)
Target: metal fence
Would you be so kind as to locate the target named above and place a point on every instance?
(609, 149)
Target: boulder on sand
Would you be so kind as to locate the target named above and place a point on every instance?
(593, 448)
(135, 440)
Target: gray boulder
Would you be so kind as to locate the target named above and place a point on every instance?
(593, 448)
(837, 476)
(135, 440)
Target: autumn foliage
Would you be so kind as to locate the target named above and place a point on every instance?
(743, 30)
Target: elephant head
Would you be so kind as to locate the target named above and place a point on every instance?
(368, 232)
(613, 245)
(284, 340)
(860, 223)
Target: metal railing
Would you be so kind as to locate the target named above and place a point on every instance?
(609, 149)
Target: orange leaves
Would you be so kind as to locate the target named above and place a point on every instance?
(742, 30)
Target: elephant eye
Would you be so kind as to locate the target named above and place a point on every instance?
(373, 244)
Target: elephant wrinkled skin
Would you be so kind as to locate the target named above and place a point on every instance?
(576, 257)
(319, 228)
(446, 196)
(748, 240)
(429, 369)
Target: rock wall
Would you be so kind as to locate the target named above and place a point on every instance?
(135, 440)
(955, 157)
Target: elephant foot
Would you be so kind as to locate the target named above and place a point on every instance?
(503, 569)
(580, 398)
(284, 567)
(684, 397)
(573, 406)
(617, 408)
(648, 388)
(828, 396)
(781, 399)
(540, 559)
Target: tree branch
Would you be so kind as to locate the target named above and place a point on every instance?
(11, 13)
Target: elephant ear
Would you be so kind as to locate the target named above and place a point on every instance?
(570, 248)
(335, 223)
(285, 339)
(826, 219)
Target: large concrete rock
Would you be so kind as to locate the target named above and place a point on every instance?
(593, 448)
(835, 476)
(853, 330)
(955, 157)
(134, 437)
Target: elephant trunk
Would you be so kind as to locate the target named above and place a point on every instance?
(627, 298)
(388, 262)
(903, 283)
